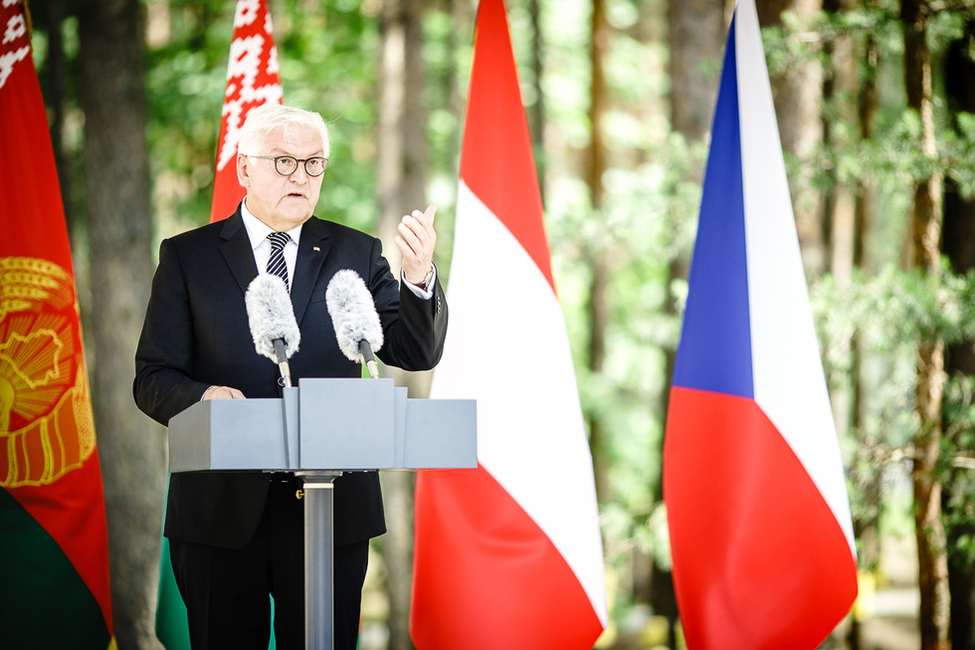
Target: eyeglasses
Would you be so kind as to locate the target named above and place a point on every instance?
(288, 165)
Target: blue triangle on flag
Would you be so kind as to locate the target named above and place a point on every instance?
(715, 345)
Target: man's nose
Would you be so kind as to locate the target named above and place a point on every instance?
(299, 175)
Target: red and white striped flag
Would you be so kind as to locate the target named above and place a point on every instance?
(759, 518)
(507, 555)
(252, 80)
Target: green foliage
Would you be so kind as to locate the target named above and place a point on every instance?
(185, 80)
(958, 470)
(876, 322)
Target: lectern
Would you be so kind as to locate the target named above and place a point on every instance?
(319, 430)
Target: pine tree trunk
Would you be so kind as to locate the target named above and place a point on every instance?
(697, 31)
(597, 307)
(402, 162)
(536, 111)
(132, 449)
(959, 246)
(797, 107)
(841, 229)
(926, 235)
(866, 529)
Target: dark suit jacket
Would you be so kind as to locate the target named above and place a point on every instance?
(196, 335)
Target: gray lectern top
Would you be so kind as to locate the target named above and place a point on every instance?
(325, 424)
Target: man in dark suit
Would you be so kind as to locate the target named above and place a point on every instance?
(236, 537)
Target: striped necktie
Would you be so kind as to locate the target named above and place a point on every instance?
(275, 263)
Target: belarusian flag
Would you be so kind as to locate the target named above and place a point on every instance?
(54, 585)
(252, 80)
(507, 555)
(759, 518)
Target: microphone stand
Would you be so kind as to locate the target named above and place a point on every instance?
(370, 360)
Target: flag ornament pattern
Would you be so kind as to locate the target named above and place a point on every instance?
(760, 527)
(54, 546)
(253, 79)
(507, 555)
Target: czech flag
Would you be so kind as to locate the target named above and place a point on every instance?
(507, 555)
(760, 526)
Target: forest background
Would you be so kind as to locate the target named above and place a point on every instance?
(874, 102)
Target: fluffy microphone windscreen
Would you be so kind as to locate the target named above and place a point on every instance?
(271, 316)
(353, 313)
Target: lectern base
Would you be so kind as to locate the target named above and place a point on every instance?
(318, 486)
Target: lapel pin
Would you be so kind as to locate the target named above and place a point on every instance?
(317, 249)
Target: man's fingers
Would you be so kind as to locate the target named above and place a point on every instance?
(222, 392)
(427, 216)
(421, 222)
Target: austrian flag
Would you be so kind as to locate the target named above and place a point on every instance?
(508, 555)
(759, 518)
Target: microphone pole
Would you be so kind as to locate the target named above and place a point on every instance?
(366, 351)
(282, 359)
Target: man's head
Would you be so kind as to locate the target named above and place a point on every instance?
(279, 197)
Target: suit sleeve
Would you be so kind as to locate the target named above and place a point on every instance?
(413, 328)
(163, 383)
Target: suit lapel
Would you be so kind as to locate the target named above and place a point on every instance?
(236, 250)
(312, 249)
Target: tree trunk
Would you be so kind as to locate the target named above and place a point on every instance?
(926, 239)
(697, 31)
(402, 158)
(798, 98)
(132, 448)
(840, 232)
(959, 238)
(959, 246)
(536, 110)
(598, 304)
(53, 76)
(867, 528)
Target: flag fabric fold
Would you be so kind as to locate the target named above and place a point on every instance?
(759, 518)
(507, 555)
(54, 541)
(253, 79)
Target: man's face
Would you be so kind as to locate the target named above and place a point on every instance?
(282, 202)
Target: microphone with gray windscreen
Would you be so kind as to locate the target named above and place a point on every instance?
(354, 318)
(272, 322)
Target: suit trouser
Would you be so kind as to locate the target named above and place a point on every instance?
(226, 590)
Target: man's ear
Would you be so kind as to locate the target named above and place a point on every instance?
(243, 170)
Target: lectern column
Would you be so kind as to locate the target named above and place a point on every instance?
(319, 572)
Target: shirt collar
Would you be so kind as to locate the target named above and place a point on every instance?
(257, 230)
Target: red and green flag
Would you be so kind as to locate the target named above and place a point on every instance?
(53, 535)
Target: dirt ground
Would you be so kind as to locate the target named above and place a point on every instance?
(889, 620)
(893, 605)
